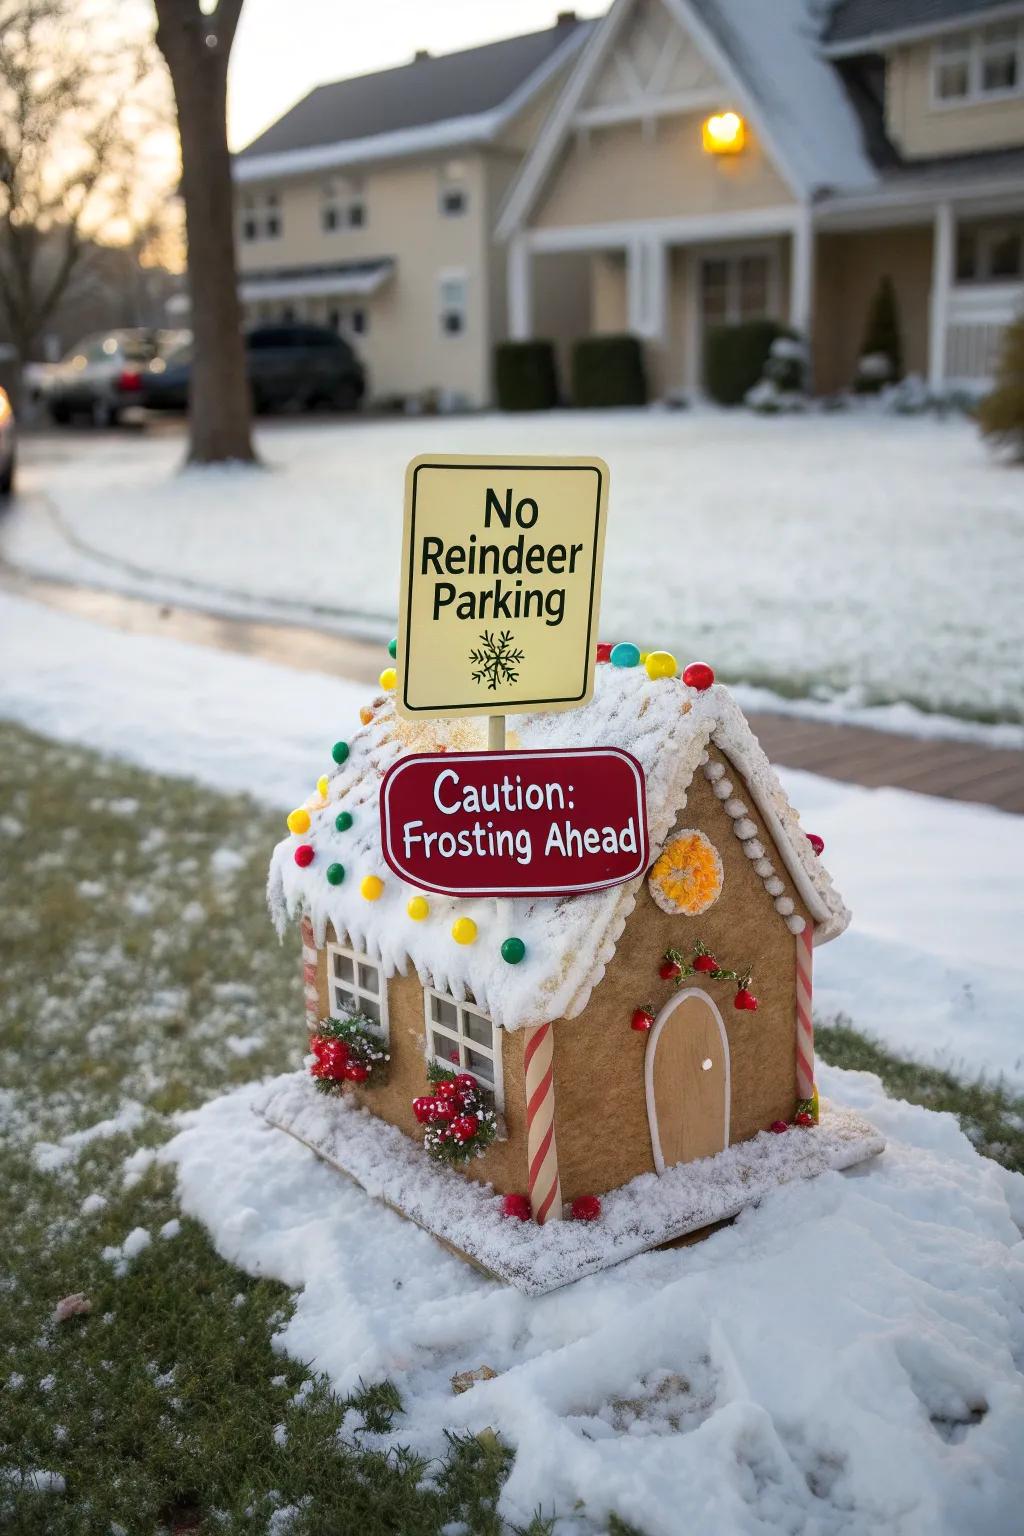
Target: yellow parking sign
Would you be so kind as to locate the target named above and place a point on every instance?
(501, 583)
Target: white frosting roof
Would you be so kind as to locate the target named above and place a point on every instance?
(569, 940)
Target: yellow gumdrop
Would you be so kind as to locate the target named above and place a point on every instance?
(298, 821)
(388, 678)
(371, 887)
(464, 930)
(323, 784)
(418, 908)
(815, 1104)
(661, 664)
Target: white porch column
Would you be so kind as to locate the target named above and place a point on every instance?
(801, 276)
(647, 287)
(520, 289)
(942, 279)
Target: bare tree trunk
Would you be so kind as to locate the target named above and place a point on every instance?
(197, 49)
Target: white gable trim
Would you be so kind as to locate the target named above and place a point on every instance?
(634, 111)
(528, 185)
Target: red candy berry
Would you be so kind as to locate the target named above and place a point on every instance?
(585, 1208)
(669, 970)
(698, 675)
(604, 650)
(817, 843)
(355, 1071)
(804, 1119)
(705, 963)
(778, 1126)
(517, 1206)
(304, 855)
(465, 1082)
(423, 1109)
(444, 1109)
(464, 1128)
(642, 1020)
(745, 999)
(447, 1088)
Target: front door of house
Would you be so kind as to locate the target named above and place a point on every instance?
(736, 286)
(687, 1078)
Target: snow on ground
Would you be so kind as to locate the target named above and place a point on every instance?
(872, 556)
(840, 1360)
(933, 963)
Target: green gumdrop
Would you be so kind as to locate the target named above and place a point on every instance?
(512, 951)
(335, 873)
(343, 820)
(340, 751)
(393, 648)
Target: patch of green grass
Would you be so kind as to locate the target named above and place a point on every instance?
(991, 1116)
(140, 969)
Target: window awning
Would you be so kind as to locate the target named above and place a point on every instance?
(343, 279)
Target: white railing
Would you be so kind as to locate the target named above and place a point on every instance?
(977, 316)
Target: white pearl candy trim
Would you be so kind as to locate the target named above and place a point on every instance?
(784, 906)
(753, 849)
(714, 771)
(734, 808)
(723, 789)
(745, 829)
(795, 924)
(765, 868)
(774, 886)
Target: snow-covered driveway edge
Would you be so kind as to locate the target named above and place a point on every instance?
(841, 1359)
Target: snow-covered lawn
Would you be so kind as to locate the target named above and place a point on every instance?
(874, 557)
(932, 965)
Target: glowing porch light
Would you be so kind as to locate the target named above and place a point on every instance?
(723, 133)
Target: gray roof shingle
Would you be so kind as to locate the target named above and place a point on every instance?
(855, 19)
(428, 90)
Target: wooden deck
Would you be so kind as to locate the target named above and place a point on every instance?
(951, 769)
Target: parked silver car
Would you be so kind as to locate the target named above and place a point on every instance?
(102, 375)
(7, 444)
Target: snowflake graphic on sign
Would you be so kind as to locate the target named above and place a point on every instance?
(495, 660)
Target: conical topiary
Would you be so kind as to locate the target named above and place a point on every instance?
(1001, 414)
(882, 340)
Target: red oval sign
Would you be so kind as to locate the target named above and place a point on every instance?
(515, 823)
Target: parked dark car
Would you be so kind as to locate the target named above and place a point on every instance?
(304, 365)
(102, 375)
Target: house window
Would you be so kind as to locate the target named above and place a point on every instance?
(452, 196)
(990, 254)
(459, 1036)
(342, 204)
(357, 321)
(977, 66)
(261, 216)
(356, 984)
(452, 303)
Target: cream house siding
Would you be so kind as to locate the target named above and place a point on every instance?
(608, 293)
(404, 347)
(849, 269)
(919, 127)
(653, 59)
(636, 171)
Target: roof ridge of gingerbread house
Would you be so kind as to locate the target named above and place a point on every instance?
(341, 880)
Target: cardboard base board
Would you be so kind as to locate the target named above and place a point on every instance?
(645, 1213)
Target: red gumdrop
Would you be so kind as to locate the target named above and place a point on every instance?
(778, 1126)
(698, 675)
(804, 1119)
(669, 970)
(304, 855)
(745, 999)
(517, 1206)
(817, 843)
(604, 650)
(465, 1127)
(423, 1109)
(585, 1208)
(642, 1019)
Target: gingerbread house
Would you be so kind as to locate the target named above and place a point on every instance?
(643, 1044)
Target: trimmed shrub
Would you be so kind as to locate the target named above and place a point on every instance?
(1001, 413)
(735, 357)
(881, 352)
(525, 376)
(608, 370)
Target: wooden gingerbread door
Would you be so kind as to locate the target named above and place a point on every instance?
(687, 1079)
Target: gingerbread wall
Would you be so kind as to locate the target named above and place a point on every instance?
(601, 1123)
(504, 1162)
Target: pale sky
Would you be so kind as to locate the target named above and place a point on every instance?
(285, 47)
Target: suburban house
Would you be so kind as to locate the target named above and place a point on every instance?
(371, 207)
(676, 165)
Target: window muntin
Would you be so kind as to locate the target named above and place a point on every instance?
(990, 253)
(451, 290)
(978, 66)
(261, 216)
(356, 984)
(342, 204)
(463, 1038)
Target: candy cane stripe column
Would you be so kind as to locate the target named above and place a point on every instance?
(545, 1190)
(804, 1020)
(310, 987)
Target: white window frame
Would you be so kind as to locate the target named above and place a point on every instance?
(461, 1040)
(340, 196)
(973, 48)
(986, 237)
(453, 275)
(355, 990)
(260, 210)
(453, 178)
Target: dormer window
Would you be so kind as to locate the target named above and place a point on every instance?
(986, 64)
(342, 204)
